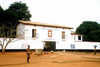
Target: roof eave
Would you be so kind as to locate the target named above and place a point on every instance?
(45, 25)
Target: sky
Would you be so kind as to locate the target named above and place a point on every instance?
(70, 13)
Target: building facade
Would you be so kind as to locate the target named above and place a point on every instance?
(49, 37)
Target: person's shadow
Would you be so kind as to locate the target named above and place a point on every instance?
(12, 64)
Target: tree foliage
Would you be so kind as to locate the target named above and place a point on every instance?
(9, 21)
(16, 11)
(20, 10)
(90, 30)
(1, 14)
(6, 33)
(1, 9)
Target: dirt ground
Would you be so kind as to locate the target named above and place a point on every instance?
(56, 59)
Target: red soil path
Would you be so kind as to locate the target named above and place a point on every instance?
(56, 59)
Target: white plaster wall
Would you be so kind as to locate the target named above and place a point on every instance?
(72, 38)
(76, 38)
(21, 31)
(28, 32)
(86, 45)
(38, 44)
(22, 44)
(15, 44)
(63, 45)
(42, 33)
(78, 45)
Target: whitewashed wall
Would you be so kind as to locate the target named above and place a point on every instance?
(36, 44)
(42, 33)
(87, 45)
(24, 33)
(78, 45)
(22, 44)
(21, 31)
(75, 37)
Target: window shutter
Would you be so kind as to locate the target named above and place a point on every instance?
(33, 32)
(63, 35)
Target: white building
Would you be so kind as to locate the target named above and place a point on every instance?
(54, 37)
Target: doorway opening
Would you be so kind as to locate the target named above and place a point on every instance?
(49, 46)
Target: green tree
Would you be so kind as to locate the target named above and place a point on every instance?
(1, 14)
(21, 10)
(1, 9)
(16, 11)
(95, 36)
(9, 20)
(90, 30)
(6, 37)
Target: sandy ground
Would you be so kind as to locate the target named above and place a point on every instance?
(56, 59)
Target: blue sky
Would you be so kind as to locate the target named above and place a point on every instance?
(63, 12)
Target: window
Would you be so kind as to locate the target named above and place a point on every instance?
(79, 37)
(74, 38)
(49, 33)
(73, 46)
(33, 32)
(63, 35)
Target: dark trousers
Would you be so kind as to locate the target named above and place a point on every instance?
(94, 52)
(28, 58)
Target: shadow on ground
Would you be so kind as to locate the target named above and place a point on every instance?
(75, 61)
(12, 64)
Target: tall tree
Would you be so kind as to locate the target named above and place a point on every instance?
(1, 14)
(90, 30)
(21, 10)
(9, 20)
(16, 11)
(6, 37)
(1, 9)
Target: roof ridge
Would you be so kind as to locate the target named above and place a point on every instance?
(45, 24)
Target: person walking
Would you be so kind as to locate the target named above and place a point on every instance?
(95, 50)
(28, 52)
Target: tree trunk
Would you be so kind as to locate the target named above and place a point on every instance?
(3, 50)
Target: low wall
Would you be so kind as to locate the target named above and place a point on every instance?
(87, 45)
(77, 45)
(22, 44)
(38, 44)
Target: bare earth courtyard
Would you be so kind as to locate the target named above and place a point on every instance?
(56, 59)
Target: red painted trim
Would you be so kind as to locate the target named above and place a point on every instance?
(49, 33)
